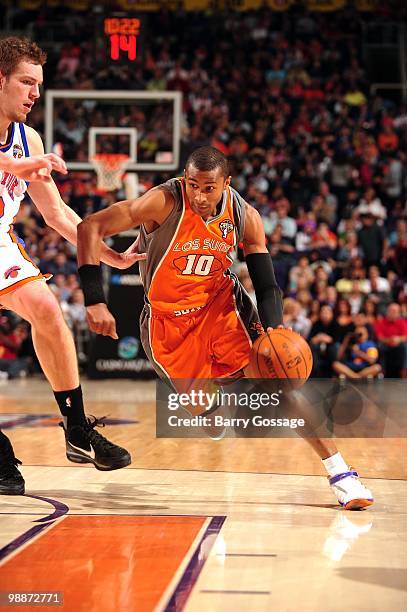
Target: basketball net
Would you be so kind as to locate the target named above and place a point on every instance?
(110, 168)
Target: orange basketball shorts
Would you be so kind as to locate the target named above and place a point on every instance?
(212, 342)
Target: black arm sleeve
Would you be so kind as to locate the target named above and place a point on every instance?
(90, 276)
(268, 293)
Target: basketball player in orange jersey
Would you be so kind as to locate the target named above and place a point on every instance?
(22, 286)
(198, 321)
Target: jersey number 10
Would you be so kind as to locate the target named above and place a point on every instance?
(198, 264)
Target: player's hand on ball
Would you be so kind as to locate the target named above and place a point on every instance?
(270, 329)
(101, 321)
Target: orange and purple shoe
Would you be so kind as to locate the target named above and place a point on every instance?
(350, 492)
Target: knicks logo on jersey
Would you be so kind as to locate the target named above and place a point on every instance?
(12, 272)
(17, 151)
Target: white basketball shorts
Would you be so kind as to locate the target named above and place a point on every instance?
(16, 268)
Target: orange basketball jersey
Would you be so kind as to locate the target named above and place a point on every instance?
(188, 258)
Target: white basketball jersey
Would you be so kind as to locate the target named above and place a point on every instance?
(12, 189)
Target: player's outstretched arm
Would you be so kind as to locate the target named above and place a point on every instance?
(261, 271)
(61, 217)
(33, 169)
(154, 206)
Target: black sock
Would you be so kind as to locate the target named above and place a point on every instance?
(71, 406)
(4, 439)
(6, 448)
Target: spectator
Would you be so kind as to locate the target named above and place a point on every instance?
(60, 283)
(370, 311)
(354, 271)
(371, 240)
(322, 210)
(59, 264)
(320, 276)
(376, 282)
(304, 298)
(330, 199)
(393, 179)
(355, 297)
(398, 233)
(300, 270)
(331, 296)
(158, 82)
(324, 240)
(314, 310)
(381, 298)
(75, 314)
(371, 205)
(357, 356)
(280, 217)
(396, 257)
(391, 332)
(294, 318)
(343, 317)
(11, 340)
(324, 337)
(355, 97)
(388, 139)
(303, 241)
(350, 249)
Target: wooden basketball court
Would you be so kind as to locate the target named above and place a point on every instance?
(195, 524)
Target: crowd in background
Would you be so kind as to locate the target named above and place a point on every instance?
(287, 99)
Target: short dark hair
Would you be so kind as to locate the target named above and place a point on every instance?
(13, 50)
(208, 158)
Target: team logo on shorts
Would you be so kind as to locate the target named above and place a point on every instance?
(17, 151)
(226, 227)
(257, 327)
(12, 272)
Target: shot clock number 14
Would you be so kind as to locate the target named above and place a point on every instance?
(122, 34)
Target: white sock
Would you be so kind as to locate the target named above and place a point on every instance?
(335, 465)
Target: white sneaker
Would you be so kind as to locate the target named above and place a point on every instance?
(350, 492)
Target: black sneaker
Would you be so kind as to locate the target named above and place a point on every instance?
(85, 445)
(11, 480)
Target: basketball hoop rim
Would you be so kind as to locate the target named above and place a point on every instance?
(110, 160)
(110, 168)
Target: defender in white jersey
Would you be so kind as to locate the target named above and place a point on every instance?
(22, 286)
(16, 267)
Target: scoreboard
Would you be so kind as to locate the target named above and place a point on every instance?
(121, 34)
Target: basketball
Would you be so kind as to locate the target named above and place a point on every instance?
(281, 354)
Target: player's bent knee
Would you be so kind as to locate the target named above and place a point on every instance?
(51, 319)
(44, 312)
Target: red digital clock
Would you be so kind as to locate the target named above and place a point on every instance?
(122, 34)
